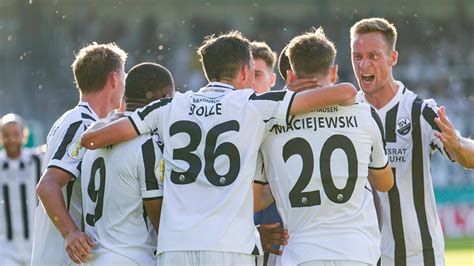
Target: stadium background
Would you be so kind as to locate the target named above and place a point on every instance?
(436, 57)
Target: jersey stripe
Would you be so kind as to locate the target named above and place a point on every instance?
(269, 96)
(8, 217)
(391, 124)
(37, 162)
(429, 115)
(68, 137)
(396, 221)
(86, 116)
(24, 211)
(85, 106)
(148, 152)
(418, 178)
(376, 117)
(152, 107)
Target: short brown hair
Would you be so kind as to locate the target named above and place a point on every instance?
(94, 63)
(223, 56)
(381, 25)
(311, 53)
(261, 50)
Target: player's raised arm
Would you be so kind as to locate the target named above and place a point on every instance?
(111, 133)
(309, 100)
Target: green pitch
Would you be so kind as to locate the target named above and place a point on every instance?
(460, 251)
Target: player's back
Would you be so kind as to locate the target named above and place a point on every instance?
(115, 179)
(317, 167)
(64, 152)
(211, 140)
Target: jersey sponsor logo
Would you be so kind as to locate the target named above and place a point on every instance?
(75, 151)
(315, 123)
(396, 154)
(403, 126)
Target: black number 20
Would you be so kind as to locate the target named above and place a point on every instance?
(211, 152)
(96, 196)
(299, 146)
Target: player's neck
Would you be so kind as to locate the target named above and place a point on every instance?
(100, 103)
(12, 155)
(384, 95)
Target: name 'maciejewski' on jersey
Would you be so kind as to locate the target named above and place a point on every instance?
(317, 167)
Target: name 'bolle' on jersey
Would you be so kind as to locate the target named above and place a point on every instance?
(211, 142)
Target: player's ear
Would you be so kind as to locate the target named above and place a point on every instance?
(290, 76)
(393, 58)
(272, 80)
(333, 73)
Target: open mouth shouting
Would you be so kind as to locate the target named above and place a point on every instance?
(367, 78)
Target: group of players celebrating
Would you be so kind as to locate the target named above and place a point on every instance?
(174, 179)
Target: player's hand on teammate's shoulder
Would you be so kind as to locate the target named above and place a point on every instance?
(78, 246)
(272, 234)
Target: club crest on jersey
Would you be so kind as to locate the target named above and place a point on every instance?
(75, 150)
(403, 126)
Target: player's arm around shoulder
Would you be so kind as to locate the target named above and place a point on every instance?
(108, 133)
(309, 100)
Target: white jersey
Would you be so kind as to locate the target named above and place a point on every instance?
(115, 181)
(410, 227)
(211, 142)
(63, 152)
(317, 167)
(18, 179)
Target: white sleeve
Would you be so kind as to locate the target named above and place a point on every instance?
(145, 120)
(149, 169)
(260, 176)
(378, 157)
(68, 153)
(274, 106)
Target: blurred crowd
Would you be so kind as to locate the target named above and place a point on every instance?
(436, 59)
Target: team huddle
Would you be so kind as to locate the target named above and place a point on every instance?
(137, 174)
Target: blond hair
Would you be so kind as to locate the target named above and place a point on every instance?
(94, 63)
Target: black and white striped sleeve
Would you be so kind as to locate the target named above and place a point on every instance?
(145, 120)
(274, 106)
(68, 152)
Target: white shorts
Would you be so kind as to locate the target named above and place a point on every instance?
(333, 263)
(110, 258)
(204, 258)
(413, 260)
(48, 244)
